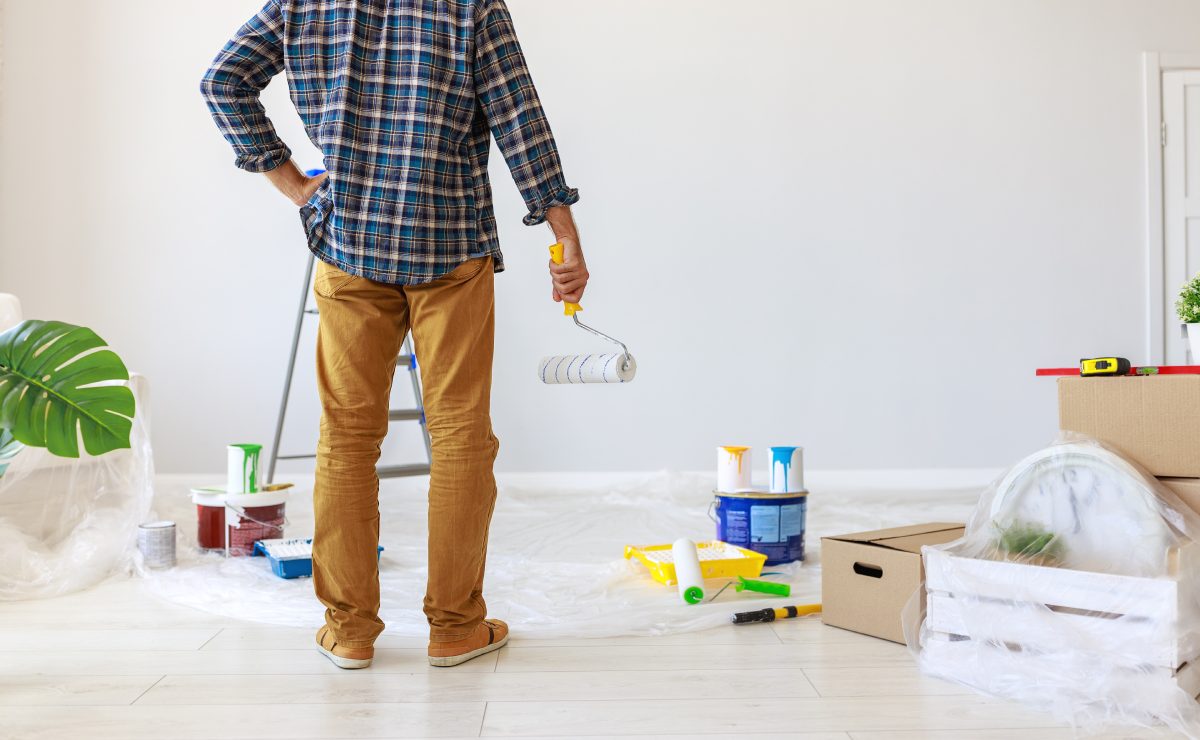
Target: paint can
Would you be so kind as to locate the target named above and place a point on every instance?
(786, 469)
(767, 523)
(232, 523)
(156, 542)
(733, 468)
(242, 471)
(252, 517)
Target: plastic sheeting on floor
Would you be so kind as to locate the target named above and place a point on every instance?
(555, 561)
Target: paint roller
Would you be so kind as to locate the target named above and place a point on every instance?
(688, 576)
(610, 367)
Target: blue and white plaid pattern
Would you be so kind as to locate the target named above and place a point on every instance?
(400, 96)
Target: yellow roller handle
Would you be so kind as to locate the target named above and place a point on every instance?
(556, 256)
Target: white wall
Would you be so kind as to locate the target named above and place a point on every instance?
(857, 226)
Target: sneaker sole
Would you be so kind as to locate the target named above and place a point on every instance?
(347, 663)
(454, 660)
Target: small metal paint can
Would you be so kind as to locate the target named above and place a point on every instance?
(156, 542)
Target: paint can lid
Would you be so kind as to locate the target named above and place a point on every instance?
(265, 498)
(156, 525)
(758, 493)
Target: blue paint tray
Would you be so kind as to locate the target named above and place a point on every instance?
(289, 558)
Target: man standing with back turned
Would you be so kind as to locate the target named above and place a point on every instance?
(400, 97)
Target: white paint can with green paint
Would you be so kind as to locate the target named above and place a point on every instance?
(243, 468)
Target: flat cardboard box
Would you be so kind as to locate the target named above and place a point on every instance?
(1152, 420)
(1187, 489)
(868, 578)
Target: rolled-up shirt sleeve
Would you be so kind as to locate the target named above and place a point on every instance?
(232, 85)
(514, 113)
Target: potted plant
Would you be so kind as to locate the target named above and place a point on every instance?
(60, 383)
(1024, 542)
(1188, 307)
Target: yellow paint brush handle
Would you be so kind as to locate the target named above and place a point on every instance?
(556, 256)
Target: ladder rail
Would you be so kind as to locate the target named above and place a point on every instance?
(414, 375)
(408, 359)
(291, 368)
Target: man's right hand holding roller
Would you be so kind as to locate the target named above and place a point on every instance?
(568, 280)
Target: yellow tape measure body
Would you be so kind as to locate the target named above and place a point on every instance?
(1100, 366)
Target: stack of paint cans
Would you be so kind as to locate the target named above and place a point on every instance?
(232, 519)
(770, 522)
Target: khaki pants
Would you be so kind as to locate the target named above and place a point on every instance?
(362, 329)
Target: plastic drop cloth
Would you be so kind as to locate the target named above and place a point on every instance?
(66, 524)
(555, 563)
(1074, 590)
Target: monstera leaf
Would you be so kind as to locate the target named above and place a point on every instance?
(56, 381)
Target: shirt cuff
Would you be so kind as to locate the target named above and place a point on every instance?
(564, 196)
(264, 161)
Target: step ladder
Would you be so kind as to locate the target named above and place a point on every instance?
(407, 360)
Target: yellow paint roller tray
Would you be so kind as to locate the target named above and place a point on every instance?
(717, 560)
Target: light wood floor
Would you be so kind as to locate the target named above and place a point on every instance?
(115, 662)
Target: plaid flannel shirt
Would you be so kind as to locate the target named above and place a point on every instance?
(400, 97)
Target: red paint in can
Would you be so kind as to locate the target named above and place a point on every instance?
(255, 523)
(210, 529)
(245, 524)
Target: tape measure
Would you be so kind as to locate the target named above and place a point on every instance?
(1104, 366)
(1068, 372)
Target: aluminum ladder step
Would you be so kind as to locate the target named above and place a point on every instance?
(384, 471)
(406, 415)
(402, 471)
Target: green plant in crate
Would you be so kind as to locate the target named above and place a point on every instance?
(58, 383)
(1188, 305)
(1029, 542)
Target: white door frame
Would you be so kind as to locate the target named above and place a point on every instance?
(1154, 64)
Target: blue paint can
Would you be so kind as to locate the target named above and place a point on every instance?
(767, 523)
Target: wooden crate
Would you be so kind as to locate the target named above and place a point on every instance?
(1147, 625)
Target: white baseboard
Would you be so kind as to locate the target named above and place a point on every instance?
(896, 479)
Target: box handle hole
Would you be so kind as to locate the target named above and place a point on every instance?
(871, 571)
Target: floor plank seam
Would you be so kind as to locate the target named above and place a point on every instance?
(577, 669)
(483, 719)
(139, 696)
(215, 636)
(813, 684)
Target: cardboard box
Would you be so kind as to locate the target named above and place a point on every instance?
(1188, 489)
(1153, 420)
(867, 578)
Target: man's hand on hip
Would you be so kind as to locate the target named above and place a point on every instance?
(568, 280)
(289, 180)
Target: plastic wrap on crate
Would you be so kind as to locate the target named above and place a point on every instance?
(1073, 590)
(66, 524)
